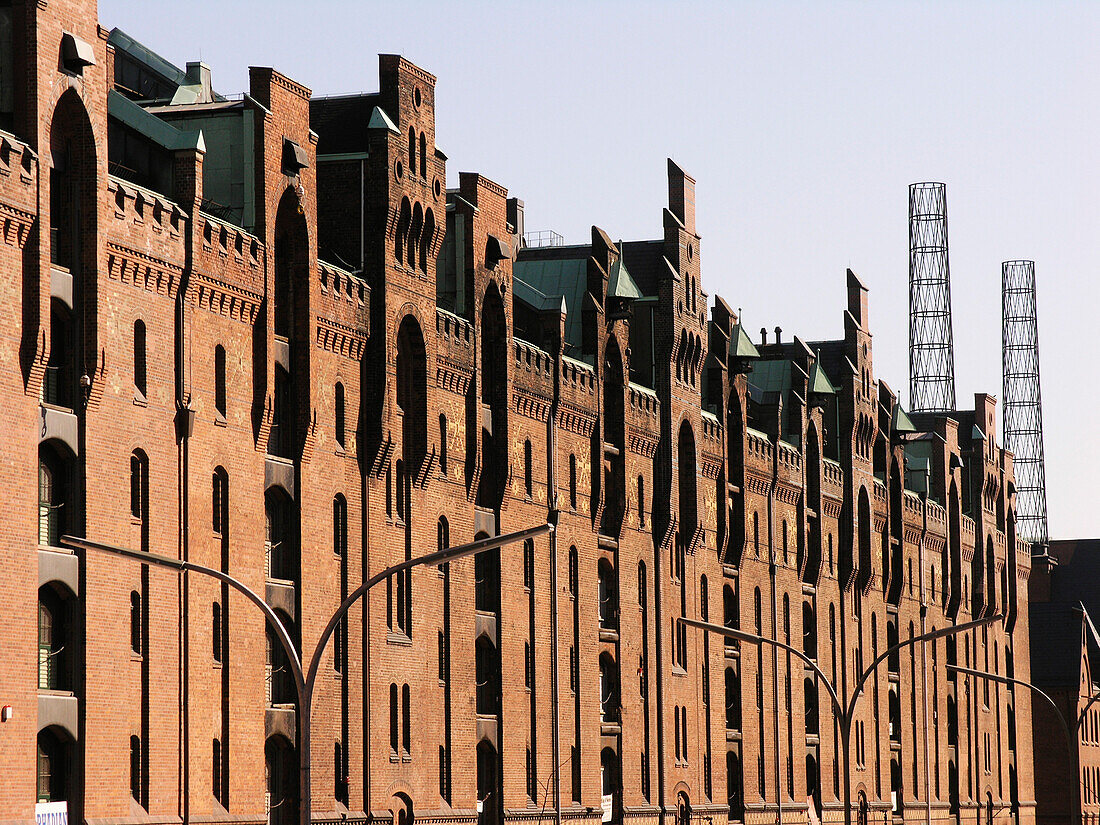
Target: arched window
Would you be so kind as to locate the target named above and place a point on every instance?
(220, 403)
(139, 494)
(443, 438)
(529, 564)
(572, 482)
(641, 501)
(528, 479)
(406, 719)
(140, 369)
(401, 236)
(609, 597)
(687, 478)
(426, 238)
(281, 546)
(219, 502)
(135, 769)
(339, 525)
(733, 699)
(423, 156)
(340, 414)
(216, 631)
(412, 151)
(55, 510)
(757, 612)
(135, 623)
(487, 581)
(395, 722)
(216, 770)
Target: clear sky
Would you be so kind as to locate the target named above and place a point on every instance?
(803, 123)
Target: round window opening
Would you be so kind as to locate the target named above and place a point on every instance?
(416, 97)
(398, 170)
(437, 187)
(691, 252)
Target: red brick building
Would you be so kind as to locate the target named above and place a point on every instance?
(1065, 657)
(265, 323)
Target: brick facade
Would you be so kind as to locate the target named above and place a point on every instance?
(322, 362)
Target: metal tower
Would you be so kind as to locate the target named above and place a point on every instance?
(931, 348)
(1023, 405)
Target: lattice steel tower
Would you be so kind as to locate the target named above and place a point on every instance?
(931, 347)
(1023, 404)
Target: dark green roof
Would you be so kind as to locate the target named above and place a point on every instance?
(772, 376)
(159, 131)
(556, 278)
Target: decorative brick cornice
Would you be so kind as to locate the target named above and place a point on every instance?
(530, 404)
(575, 419)
(142, 271)
(15, 225)
(453, 377)
(340, 339)
(227, 300)
(643, 442)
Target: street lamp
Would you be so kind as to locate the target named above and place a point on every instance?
(304, 681)
(844, 713)
(1071, 738)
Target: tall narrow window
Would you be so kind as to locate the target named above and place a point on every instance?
(394, 721)
(528, 480)
(443, 444)
(216, 631)
(423, 156)
(406, 719)
(135, 622)
(216, 770)
(529, 564)
(135, 768)
(139, 357)
(219, 502)
(340, 414)
(641, 501)
(339, 525)
(139, 494)
(412, 151)
(572, 482)
(219, 379)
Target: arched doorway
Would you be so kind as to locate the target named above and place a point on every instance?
(281, 771)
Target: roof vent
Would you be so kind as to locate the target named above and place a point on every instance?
(496, 251)
(76, 53)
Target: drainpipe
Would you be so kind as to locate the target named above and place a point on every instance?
(775, 630)
(924, 645)
(555, 669)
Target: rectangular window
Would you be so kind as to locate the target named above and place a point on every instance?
(219, 380)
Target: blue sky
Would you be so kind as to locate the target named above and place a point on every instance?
(803, 123)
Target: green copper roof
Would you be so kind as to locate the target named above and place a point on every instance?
(620, 284)
(819, 381)
(554, 277)
(742, 346)
(159, 131)
(770, 376)
(902, 423)
(380, 120)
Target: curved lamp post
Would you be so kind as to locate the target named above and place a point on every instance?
(844, 713)
(305, 680)
(1071, 738)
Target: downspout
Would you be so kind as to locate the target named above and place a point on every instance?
(924, 646)
(555, 687)
(184, 420)
(775, 630)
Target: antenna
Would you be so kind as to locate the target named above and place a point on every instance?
(1023, 404)
(931, 347)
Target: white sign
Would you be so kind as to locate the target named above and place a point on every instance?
(606, 802)
(51, 813)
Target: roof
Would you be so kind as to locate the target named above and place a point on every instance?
(342, 123)
(819, 381)
(902, 423)
(646, 262)
(768, 377)
(743, 347)
(159, 131)
(550, 274)
(620, 284)
(146, 56)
